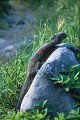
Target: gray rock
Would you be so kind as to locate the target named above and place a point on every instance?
(6, 34)
(43, 88)
(13, 19)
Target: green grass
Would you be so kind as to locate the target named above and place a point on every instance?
(59, 16)
(70, 80)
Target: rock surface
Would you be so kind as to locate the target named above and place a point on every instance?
(43, 88)
(9, 48)
(17, 29)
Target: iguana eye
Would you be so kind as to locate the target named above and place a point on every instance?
(62, 35)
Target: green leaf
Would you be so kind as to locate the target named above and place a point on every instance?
(55, 78)
(76, 76)
(66, 89)
(40, 116)
(44, 103)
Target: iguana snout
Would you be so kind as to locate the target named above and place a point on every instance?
(59, 37)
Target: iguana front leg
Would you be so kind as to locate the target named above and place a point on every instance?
(38, 66)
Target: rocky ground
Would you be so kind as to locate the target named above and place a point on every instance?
(17, 29)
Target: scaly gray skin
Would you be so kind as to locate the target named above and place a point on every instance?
(69, 46)
(36, 62)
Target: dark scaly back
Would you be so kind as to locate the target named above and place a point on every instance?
(50, 47)
(45, 51)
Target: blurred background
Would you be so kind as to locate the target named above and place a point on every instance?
(20, 19)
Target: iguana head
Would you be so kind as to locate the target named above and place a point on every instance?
(59, 37)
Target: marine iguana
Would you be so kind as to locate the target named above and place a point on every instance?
(36, 61)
